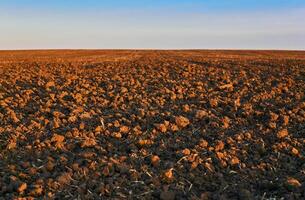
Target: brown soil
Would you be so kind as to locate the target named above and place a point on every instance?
(152, 124)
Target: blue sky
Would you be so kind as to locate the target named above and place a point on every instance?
(164, 24)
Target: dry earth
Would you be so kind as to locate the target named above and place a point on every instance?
(152, 124)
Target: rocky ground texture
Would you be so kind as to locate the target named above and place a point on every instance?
(152, 125)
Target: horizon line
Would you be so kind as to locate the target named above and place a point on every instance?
(151, 49)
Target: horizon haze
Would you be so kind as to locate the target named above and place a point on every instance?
(31, 24)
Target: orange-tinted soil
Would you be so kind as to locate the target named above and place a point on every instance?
(152, 124)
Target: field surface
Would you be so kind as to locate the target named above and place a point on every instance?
(120, 124)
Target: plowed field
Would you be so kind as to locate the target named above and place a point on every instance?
(152, 124)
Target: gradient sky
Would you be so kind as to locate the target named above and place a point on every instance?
(162, 24)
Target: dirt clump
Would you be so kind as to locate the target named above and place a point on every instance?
(282, 133)
(182, 121)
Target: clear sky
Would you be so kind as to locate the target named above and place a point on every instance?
(161, 24)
